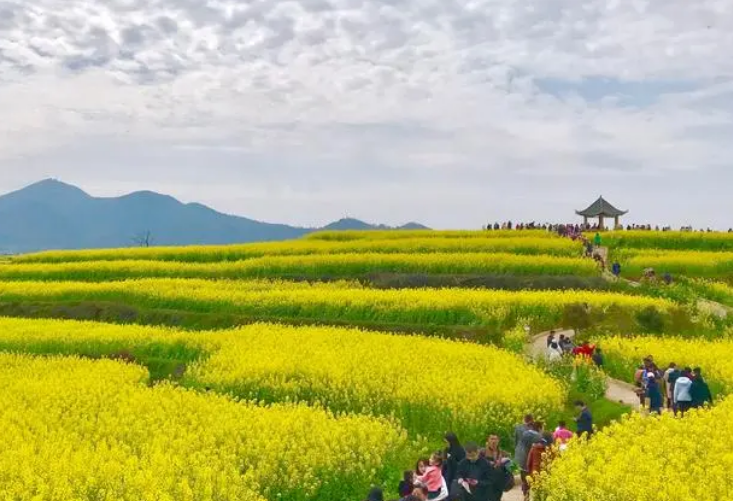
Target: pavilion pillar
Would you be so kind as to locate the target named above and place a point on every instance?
(600, 223)
(615, 223)
(585, 221)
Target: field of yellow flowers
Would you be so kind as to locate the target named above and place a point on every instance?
(91, 430)
(430, 385)
(411, 234)
(715, 357)
(522, 245)
(695, 264)
(341, 302)
(643, 458)
(669, 240)
(269, 412)
(343, 370)
(314, 266)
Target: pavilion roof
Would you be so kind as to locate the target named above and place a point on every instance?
(601, 208)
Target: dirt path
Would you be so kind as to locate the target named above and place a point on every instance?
(717, 309)
(617, 391)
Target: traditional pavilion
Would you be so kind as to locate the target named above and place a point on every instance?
(601, 209)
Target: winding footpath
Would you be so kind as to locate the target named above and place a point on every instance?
(616, 391)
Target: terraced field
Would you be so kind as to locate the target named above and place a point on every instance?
(292, 356)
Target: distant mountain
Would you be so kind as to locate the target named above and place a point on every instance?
(54, 215)
(348, 224)
(355, 224)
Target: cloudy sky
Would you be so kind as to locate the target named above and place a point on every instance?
(450, 112)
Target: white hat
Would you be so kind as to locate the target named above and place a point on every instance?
(650, 374)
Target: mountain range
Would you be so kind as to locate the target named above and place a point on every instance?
(54, 215)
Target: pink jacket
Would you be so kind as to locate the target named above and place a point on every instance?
(433, 478)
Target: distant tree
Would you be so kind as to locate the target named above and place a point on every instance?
(144, 239)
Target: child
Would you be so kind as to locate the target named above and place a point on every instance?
(407, 484)
(562, 435)
(433, 477)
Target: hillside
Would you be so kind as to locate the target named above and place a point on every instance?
(54, 215)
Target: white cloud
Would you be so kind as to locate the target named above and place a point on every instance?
(353, 95)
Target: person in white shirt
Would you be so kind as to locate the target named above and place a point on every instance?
(682, 395)
(554, 352)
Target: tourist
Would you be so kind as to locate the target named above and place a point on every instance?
(584, 350)
(597, 240)
(699, 390)
(529, 438)
(452, 455)
(566, 344)
(598, 358)
(433, 476)
(681, 395)
(616, 269)
(406, 484)
(670, 377)
(667, 278)
(535, 460)
(550, 338)
(519, 453)
(375, 494)
(474, 477)
(589, 249)
(584, 421)
(654, 394)
(562, 435)
(421, 467)
(554, 353)
(499, 460)
(493, 452)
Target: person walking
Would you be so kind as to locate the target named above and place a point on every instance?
(501, 463)
(616, 269)
(474, 477)
(597, 240)
(519, 431)
(493, 451)
(654, 394)
(670, 377)
(453, 455)
(554, 353)
(598, 358)
(550, 338)
(584, 421)
(699, 390)
(682, 396)
(538, 457)
(530, 437)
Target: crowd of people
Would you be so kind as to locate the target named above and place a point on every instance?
(677, 390)
(471, 473)
(563, 346)
(567, 229)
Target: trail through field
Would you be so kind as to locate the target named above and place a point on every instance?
(717, 309)
(617, 391)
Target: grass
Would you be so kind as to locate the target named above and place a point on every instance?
(604, 412)
(120, 313)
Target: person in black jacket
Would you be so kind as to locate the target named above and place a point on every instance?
(475, 478)
(699, 390)
(454, 454)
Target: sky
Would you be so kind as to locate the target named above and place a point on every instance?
(448, 112)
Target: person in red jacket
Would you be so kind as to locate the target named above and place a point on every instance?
(585, 350)
(539, 456)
